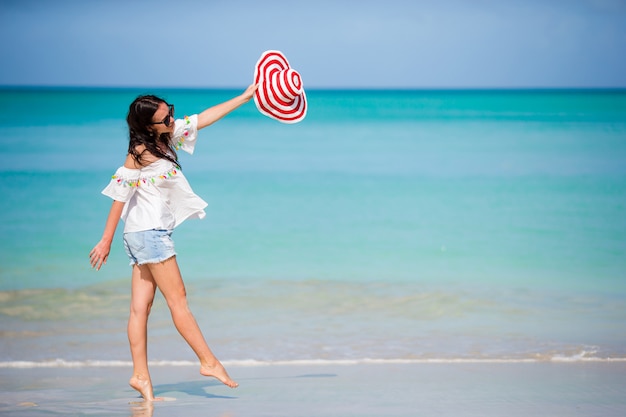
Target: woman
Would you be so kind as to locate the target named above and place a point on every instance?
(152, 196)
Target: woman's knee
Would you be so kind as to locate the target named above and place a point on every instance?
(177, 300)
(141, 308)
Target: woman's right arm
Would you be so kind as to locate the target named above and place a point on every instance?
(100, 253)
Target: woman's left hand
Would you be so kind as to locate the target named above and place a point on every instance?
(249, 93)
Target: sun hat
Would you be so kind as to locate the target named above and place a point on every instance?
(280, 94)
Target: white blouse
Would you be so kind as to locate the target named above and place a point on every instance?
(158, 196)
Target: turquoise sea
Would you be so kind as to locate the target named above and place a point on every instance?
(392, 226)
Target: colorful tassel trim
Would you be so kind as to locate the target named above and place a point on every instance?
(144, 181)
(185, 133)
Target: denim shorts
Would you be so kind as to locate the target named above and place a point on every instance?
(149, 246)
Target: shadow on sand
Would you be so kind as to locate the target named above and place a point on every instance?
(192, 388)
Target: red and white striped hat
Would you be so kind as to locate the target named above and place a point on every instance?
(280, 94)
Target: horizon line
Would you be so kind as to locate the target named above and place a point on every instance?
(352, 88)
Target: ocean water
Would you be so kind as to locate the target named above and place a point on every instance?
(391, 226)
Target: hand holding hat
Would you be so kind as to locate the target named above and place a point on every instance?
(280, 94)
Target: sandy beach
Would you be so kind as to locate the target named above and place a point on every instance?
(442, 389)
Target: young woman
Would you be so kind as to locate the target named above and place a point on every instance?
(152, 196)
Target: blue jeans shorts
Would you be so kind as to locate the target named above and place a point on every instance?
(149, 246)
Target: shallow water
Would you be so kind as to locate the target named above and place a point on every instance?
(410, 225)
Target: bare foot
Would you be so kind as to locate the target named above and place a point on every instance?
(218, 371)
(144, 386)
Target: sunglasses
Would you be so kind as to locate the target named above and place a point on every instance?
(168, 119)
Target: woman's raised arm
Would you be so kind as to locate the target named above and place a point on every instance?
(215, 113)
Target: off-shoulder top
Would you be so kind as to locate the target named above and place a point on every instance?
(158, 196)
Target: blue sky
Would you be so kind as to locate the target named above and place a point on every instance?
(333, 44)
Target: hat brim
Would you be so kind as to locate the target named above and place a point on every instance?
(269, 104)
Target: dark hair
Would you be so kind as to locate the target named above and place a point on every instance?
(139, 119)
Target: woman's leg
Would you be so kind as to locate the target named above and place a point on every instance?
(168, 279)
(143, 288)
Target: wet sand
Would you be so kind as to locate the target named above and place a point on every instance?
(422, 389)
